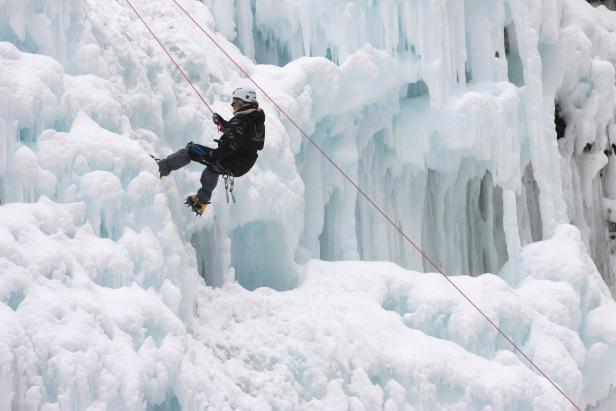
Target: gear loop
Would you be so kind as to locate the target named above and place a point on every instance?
(229, 184)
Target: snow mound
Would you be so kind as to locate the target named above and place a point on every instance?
(83, 326)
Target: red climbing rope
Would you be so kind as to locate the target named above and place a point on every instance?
(171, 57)
(350, 180)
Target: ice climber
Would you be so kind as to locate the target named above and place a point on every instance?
(242, 138)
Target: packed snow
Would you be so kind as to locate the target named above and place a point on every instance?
(354, 335)
(300, 296)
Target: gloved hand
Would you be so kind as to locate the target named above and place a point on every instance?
(217, 118)
(163, 168)
(219, 121)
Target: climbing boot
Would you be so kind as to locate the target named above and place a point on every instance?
(195, 204)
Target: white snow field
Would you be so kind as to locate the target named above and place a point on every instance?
(301, 296)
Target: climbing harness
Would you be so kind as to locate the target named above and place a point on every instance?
(350, 180)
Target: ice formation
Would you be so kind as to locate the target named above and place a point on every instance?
(484, 129)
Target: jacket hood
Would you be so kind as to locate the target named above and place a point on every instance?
(255, 114)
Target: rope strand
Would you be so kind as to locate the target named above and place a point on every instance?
(170, 57)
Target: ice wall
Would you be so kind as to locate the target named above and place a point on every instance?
(97, 60)
(444, 112)
(446, 119)
(461, 150)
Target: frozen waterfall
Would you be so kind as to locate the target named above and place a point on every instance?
(486, 130)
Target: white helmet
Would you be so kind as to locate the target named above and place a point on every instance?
(246, 94)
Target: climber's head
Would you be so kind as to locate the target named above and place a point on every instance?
(244, 98)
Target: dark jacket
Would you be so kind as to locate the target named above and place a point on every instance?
(243, 137)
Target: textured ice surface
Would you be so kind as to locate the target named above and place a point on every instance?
(352, 334)
(442, 111)
(76, 335)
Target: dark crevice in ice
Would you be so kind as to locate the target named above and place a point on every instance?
(531, 193)
(417, 89)
(559, 122)
(515, 68)
(327, 239)
(485, 235)
(476, 227)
